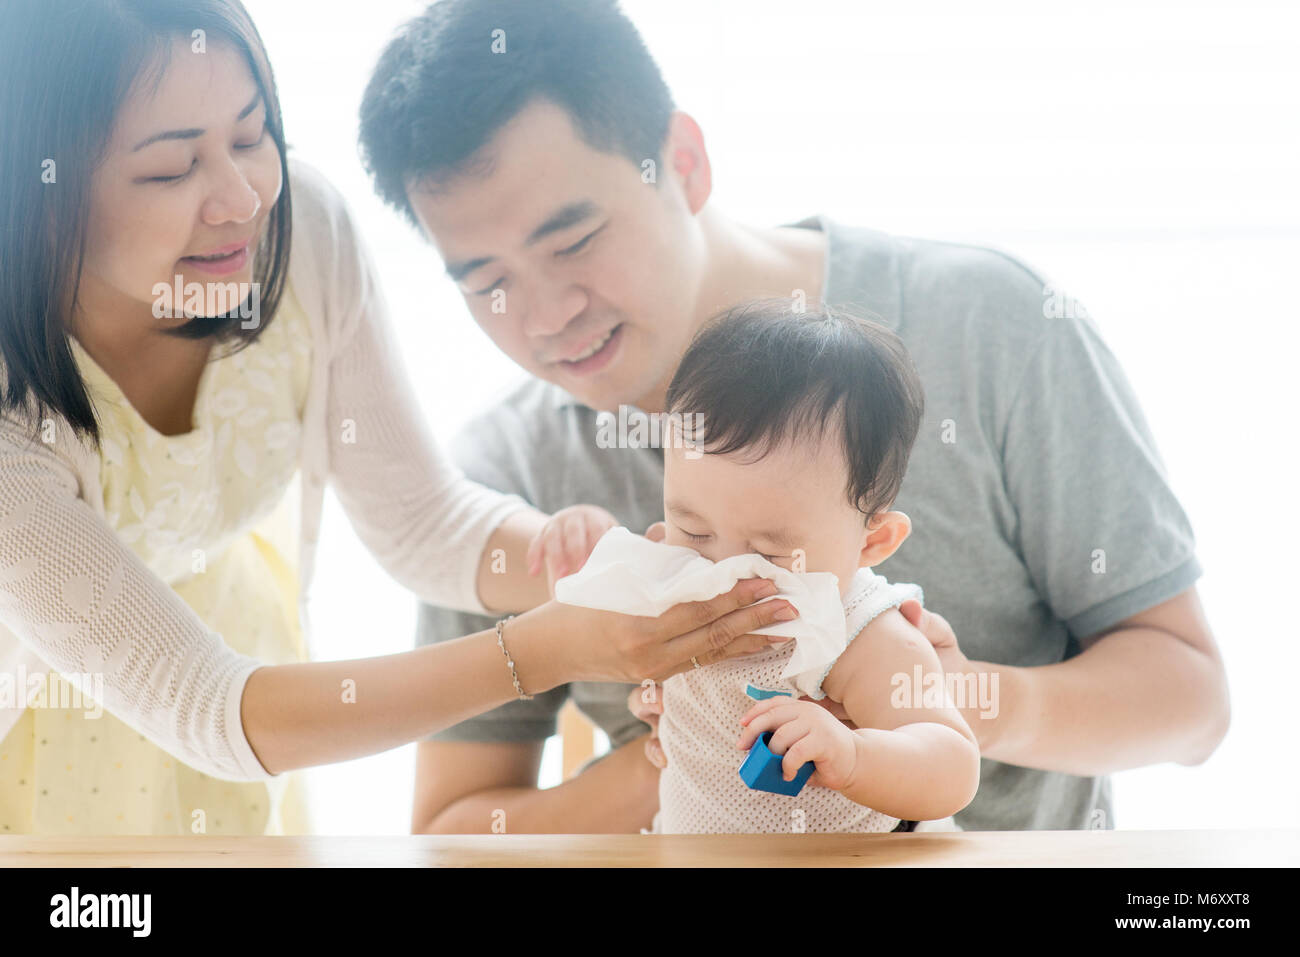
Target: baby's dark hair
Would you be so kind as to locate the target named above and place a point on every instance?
(761, 374)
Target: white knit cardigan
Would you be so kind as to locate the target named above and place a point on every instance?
(75, 599)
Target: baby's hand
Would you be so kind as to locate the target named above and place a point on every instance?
(804, 731)
(566, 540)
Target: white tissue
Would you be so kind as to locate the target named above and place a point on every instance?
(633, 575)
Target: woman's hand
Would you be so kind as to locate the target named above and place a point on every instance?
(557, 643)
(565, 542)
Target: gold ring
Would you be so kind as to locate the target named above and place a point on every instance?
(694, 662)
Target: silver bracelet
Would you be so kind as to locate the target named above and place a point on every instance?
(501, 642)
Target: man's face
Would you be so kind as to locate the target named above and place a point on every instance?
(581, 272)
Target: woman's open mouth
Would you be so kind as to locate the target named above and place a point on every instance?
(222, 263)
(597, 355)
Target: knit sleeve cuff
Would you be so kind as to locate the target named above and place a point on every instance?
(493, 520)
(250, 767)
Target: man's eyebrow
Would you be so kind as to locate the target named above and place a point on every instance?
(193, 134)
(563, 218)
(459, 270)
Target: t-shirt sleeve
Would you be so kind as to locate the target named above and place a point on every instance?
(87, 606)
(1101, 531)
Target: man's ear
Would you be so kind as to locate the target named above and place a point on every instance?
(686, 157)
(884, 533)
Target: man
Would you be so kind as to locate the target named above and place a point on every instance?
(539, 150)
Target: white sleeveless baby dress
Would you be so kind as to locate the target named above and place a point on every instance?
(701, 791)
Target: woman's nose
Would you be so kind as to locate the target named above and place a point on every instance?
(233, 199)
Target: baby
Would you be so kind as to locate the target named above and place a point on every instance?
(805, 424)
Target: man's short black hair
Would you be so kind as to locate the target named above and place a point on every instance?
(461, 70)
(761, 375)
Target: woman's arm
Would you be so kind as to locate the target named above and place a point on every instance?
(448, 540)
(83, 601)
(504, 584)
(301, 715)
(86, 604)
(316, 713)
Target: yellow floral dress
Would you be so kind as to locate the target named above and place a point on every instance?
(213, 513)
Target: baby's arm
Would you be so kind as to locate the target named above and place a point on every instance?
(916, 754)
(915, 758)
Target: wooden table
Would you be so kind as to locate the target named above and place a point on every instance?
(1209, 848)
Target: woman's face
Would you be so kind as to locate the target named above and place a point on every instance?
(191, 173)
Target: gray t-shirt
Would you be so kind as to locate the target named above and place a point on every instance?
(1041, 512)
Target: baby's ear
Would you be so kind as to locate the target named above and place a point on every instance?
(884, 533)
(657, 532)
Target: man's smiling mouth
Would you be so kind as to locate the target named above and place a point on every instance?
(591, 350)
(595, 355)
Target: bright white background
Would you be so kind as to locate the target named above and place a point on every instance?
(1144, 155)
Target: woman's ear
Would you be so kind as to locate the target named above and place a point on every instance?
(885, 532)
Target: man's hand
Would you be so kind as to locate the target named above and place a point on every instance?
(647, 704)
(471, 787)
(566, 541)
(940, 634)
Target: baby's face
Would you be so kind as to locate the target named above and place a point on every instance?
(792, 499)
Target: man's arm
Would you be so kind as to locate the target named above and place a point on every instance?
(453, 768)
(490, 763)
(467, 787)
(1150, 689)
(1112, 553)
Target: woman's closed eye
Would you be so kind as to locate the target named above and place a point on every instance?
(170, 179)
(244, 147)
(261, 138)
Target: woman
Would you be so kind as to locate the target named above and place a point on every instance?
(177, 341)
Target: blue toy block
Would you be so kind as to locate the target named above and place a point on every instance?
(762, 770)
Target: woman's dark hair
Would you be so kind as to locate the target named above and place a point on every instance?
(760, 375)
(461, 70)
(66, 66)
